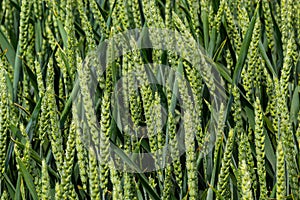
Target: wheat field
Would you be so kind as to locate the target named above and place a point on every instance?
(150, 99)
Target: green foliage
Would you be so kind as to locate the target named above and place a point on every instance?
(53, 147)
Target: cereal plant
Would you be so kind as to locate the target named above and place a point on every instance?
(149, 99)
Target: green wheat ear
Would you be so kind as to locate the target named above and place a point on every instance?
(82, 156)
(116, 179)
(68, 162)
(45, 192)
(99, 18)
(237, 110)
(129, 190)
(23, 29)
(280, 172)
(58, 191)
(94, 179)
(232, 29)
(173, 141)
(104, 141)
(189, 141)
(246, 181)
(167, 182)
(223, 179)
(86, 26)
(136, 13)
(260, 148)
(268, 24)
(4, 116)
(4, 195)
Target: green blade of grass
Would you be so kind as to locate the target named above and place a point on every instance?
(270, 153)
(28, 179)
(265, 57)
(33, 121)
(68, 104)
(9, 185)
(295, 105)
(62, 32)
(17, 73)
(18, 192)
(5, 45)
(204, 17)
(212, 42)
(38, 36)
